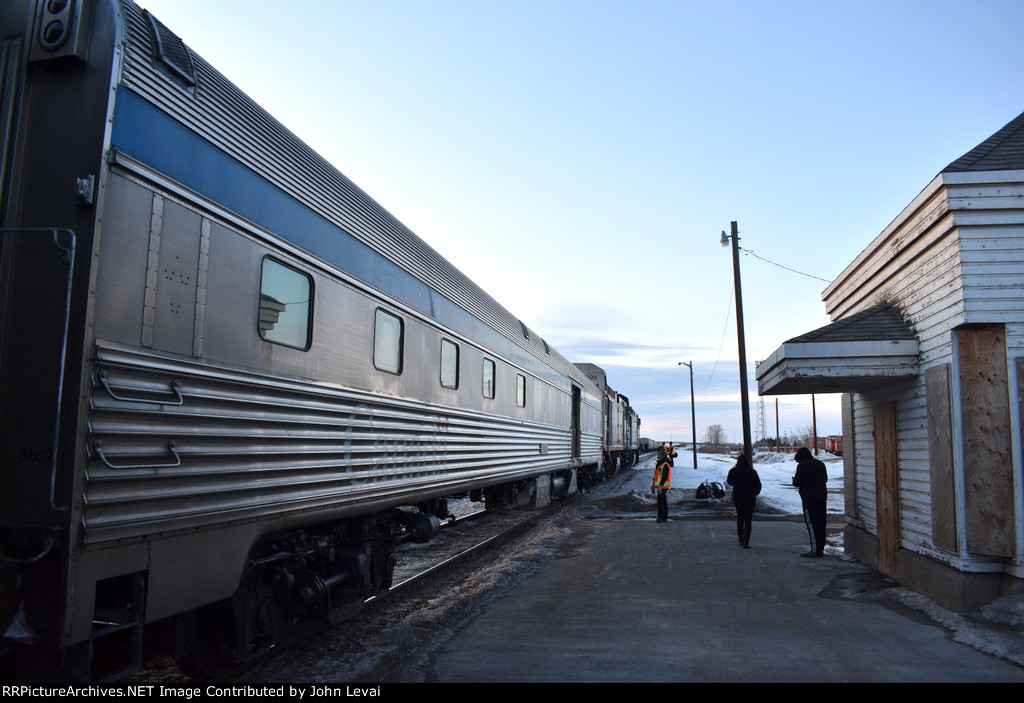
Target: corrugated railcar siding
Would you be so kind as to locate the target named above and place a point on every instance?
(177, 445)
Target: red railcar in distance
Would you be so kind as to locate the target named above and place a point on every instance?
(832, 444)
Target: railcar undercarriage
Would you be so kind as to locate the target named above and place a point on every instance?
(293, 585)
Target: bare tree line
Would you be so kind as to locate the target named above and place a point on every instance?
(802, 436)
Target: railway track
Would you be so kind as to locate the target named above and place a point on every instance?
(482, 530)
(468, 535)
(438, 586)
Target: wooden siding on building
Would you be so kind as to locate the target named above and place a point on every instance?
(922, 280)
(940, 440)
(955, 256)
(875, 275)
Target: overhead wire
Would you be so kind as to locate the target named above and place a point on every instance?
(727, 312)
(802, 273)
(721, 343)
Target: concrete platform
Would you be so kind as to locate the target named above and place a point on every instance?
(636, 601)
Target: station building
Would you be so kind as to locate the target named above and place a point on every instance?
(927, 348)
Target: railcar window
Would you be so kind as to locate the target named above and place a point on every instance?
(387, 342)
(286, 298)
(520, 390)
(489, 374)
(449, 364)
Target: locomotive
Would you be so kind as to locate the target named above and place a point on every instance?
(230, 381)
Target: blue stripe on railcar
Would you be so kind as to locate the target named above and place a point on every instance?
(145, 133)
(154, 138)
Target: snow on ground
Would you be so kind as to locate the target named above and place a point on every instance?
(778, 495)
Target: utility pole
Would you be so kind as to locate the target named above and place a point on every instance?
(814, 425)
(741, 341)
(693, 412)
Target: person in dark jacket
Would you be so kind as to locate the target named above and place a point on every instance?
(746, 484)
(810, 478)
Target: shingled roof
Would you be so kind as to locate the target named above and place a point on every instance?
(878, 323)
(1003, 151)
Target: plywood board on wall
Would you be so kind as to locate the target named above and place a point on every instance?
(940, 458)
(988, 466)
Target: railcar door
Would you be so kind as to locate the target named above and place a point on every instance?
(575, 422)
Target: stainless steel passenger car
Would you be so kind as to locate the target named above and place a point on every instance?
(224, 369)
(621, 429)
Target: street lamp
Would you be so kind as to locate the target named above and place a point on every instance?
(693, 413)
(735, 237)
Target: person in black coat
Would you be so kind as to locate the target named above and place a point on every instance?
(746, 485)
(810, 478)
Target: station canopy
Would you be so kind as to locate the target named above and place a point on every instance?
(863, 352)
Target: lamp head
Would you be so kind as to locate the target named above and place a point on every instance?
(725, 239)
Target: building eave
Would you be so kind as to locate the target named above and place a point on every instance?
(801, 368)
(863, 352)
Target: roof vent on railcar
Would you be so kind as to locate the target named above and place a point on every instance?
(169, 49)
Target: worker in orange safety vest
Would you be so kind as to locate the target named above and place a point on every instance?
(663, 480)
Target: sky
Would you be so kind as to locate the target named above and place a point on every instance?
(579, 159)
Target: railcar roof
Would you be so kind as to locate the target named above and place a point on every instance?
(220, 113)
